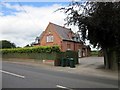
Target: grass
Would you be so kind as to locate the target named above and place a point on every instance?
(94, 53)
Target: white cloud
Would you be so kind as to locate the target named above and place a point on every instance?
(1, 13)
(22, 27)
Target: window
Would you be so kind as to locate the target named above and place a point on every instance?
(50, 38)
(68, 46)
(79, 46)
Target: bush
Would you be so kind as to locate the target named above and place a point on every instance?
(38, 52)
(37, 49)
(94, 53)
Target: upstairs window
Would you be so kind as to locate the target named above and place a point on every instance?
(68, 46)
(50, 38)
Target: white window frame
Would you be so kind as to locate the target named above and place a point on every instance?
(49, 38)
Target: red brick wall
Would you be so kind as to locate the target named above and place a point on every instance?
(56, 40)
(73, 46)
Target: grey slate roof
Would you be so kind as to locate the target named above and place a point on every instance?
(62, 31)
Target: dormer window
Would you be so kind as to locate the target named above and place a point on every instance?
(50, 38)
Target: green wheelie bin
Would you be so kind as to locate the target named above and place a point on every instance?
(63, 62)
(67, 62)
(72, 63)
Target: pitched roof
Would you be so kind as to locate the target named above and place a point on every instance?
(62, 31)
(41, 35)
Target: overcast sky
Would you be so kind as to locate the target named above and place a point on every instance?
(21, 23)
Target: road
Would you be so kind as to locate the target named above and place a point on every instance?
(25, 76)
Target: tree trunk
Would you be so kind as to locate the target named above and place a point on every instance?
(113, 60)
(110, 59)
(106, 62)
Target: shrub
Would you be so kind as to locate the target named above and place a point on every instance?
(37, 49)
(94, 53)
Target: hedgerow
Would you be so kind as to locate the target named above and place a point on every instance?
(36, 49)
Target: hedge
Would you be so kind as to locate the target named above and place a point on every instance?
(36, 49)
(94, 53)
(39, 53)
(67, 54)
(35, 56)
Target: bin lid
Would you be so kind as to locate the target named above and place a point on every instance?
(71, 58)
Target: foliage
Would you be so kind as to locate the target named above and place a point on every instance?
(27, 45)
(39, 53)
(67, 54)
(99, 23)
(6, 44)
(94, 53)
(37, 49)
(35, 56)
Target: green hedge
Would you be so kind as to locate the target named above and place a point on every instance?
(36, 56)
(67, 54)
(94, 53)
(37, 49)
(37, 52)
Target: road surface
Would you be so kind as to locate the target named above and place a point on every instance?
(25, 76)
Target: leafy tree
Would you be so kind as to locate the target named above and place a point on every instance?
(27, 45)
(98, 22)
(6, 44)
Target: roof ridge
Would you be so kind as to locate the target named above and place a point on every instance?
(60, 26)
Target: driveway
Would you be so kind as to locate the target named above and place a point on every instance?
(91, 62)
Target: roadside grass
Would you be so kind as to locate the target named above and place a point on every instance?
(94, 53)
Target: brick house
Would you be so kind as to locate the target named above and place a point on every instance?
(63, 37)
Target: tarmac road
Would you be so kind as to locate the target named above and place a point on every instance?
(24, 76)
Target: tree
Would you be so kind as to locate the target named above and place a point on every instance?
(27, 45)
(6, 44)
(99, 23)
